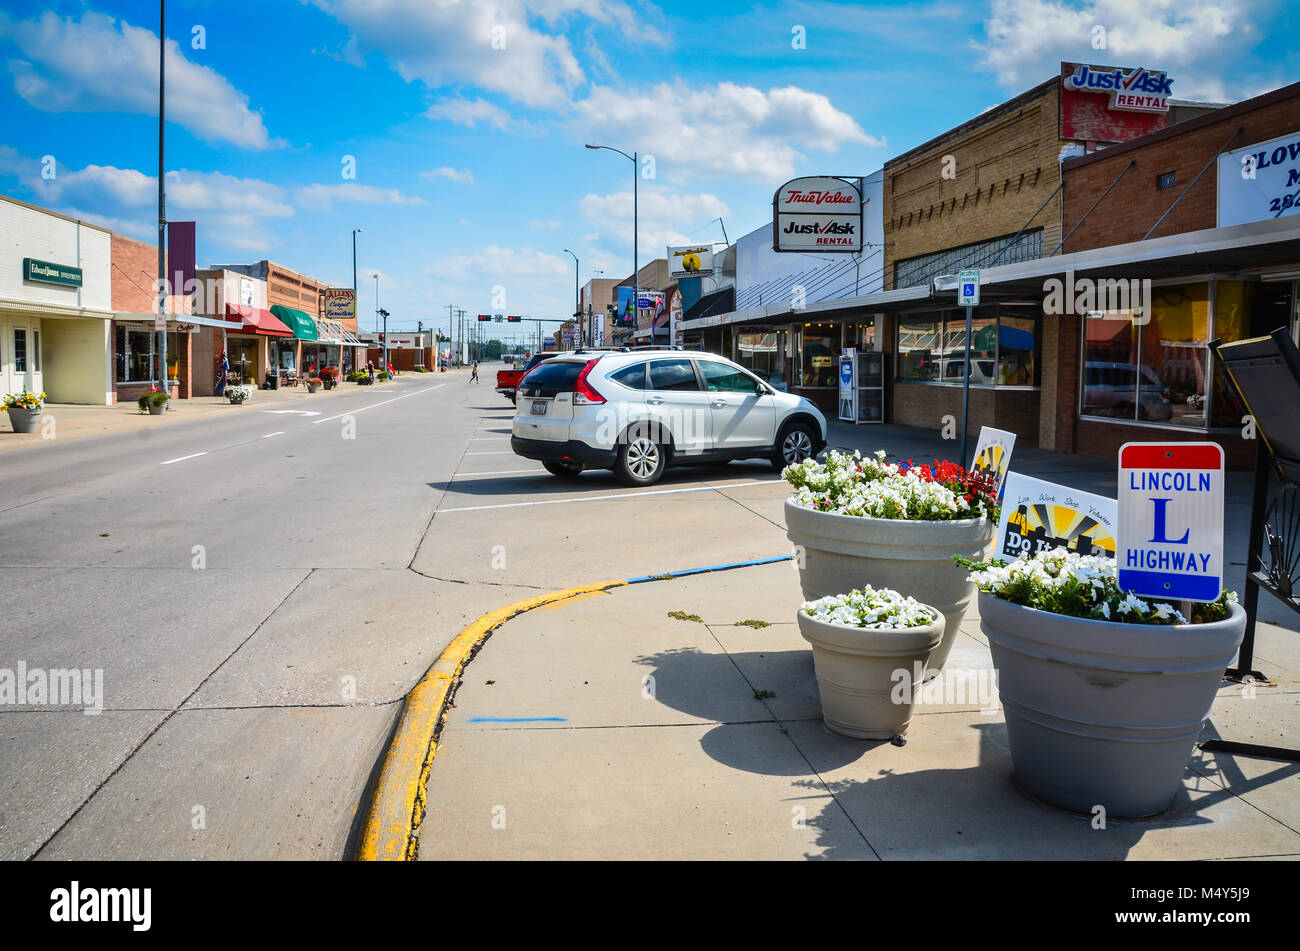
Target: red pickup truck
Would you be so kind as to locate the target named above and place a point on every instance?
(508, 380)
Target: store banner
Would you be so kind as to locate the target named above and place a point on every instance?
(340, 303)
(690, 260)
(626, 316)
(1260, 181)
(1108, 104)
(817, 213)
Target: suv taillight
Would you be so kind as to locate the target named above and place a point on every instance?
(583, 394)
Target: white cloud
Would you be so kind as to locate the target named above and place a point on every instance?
(726, 129)
(464, 175)
(498, 262)
(490, 44)
(661, 213)
(1198, 43)
(324, 196)
(98, 64)
(468, 112)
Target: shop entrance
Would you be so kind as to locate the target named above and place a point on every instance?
(242, 354)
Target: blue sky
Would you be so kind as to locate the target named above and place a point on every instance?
(469, 169)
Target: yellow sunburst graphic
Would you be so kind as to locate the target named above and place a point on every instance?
(1060, 526)
(993, 460)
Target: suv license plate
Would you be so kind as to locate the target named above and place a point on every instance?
(539, 407)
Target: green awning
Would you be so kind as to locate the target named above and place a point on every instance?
(300, 322)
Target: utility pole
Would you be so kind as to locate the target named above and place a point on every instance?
(162, 203)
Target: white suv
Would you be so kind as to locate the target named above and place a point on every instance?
(641, 411)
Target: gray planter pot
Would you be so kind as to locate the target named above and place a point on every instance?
(843, 552)
(862, 694)
(1104, 714)
(156, 409)
(24, 420)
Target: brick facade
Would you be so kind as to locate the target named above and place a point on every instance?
(1136, 203)
(1003, 165)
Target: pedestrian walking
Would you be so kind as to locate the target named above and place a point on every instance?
(473, 372)
(223, 374)
(370, 371)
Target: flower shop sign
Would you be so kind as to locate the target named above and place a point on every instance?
(1170, 541)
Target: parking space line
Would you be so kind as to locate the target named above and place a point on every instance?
(459, 475)
(193, 455)
(600, 498)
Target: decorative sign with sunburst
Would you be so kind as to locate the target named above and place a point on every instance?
(1038, 515)
(993, 453)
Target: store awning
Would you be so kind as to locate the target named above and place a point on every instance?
(300, 322)
(181, 321)
(257, 321)
(350, 339)
(328, 331)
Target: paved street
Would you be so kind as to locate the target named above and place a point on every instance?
(259, 610)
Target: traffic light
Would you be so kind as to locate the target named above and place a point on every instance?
(514, 318)
(484, 316)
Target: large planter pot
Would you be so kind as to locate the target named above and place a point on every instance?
(312, 387)
(156, 409)
(843, 552)
(1100, 713)
(862, 694)
(24, 420)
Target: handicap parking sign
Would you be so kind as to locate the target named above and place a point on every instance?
(968, 287)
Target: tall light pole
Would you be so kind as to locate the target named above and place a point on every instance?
(636, 277)
(355, 232)
(162, 205)
(577, 298)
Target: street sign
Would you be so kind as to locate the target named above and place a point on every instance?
(1170, 539)
(968, 287)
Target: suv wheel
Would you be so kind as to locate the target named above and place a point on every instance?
(793, 445)
(641, 460)
(565, 470)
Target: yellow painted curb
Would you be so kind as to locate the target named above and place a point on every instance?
(398, 804)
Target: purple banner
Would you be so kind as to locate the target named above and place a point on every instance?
(180, 255)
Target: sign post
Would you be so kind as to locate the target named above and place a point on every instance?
(968, 296)
(1170, 539)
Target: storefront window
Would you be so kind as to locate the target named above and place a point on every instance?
(20, 350)
(763, 353)
(817, 358)
(133, 354)
(1153, 371)
(918, 348)
(36, 350)
(1244, 309)
(932, 349)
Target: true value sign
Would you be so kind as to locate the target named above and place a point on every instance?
(1170, 513)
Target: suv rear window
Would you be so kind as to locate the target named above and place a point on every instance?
(551, 377)
(672, 375)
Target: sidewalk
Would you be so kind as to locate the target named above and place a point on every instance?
(76, 421)
(602, 728)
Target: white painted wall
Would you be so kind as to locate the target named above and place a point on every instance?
(31, 233)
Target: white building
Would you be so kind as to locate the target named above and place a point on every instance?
(55, 306)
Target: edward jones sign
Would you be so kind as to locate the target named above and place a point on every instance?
(819, 213)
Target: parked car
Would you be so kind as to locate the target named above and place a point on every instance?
(638, 412)
(1116, 389)
(508, 379)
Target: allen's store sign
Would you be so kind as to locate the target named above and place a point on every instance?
(1170, 539)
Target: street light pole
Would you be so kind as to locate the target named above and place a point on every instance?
(162, 203)
(355, 232)
(636, 268)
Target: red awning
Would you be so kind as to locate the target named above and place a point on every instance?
(258, 321)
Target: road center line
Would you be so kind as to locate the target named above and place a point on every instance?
(373, 405)
(600, 498)
(269, 435)
(193, 455)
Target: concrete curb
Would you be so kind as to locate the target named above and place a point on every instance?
(397, 803)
